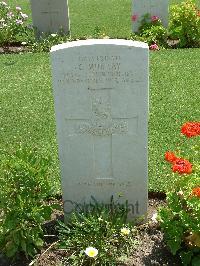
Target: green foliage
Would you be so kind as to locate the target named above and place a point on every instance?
(26, 184)
(13, 25)
(16, 30)
(180, 219)
(152, 30)
(156, 34)
(185, 24)
(103, 229)
(45, 42)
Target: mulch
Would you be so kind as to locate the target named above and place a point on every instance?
(14, 49)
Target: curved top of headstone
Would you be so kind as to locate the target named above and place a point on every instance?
(88, 42)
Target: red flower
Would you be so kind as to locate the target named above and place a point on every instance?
(196, 192)
(191, 129)
(154, 18)
(154, 47)
(134, 17)
(170, 157)
(182, 166)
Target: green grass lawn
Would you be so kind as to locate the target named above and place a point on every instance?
(26, 103)
(174, 99)
(27, 112)
(112, 17)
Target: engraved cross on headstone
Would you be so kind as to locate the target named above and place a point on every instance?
(49, 13)
(102, 127)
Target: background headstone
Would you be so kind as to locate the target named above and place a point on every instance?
(101, 104)
(50, 16)
(153, 7)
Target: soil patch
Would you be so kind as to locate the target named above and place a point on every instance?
(15, 48)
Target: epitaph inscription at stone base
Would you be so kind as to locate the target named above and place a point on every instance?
(101, 105)
(157, 8)
(50, 16)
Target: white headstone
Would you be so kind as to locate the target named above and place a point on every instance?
(101, 104)
(157, 8)
(50, 16)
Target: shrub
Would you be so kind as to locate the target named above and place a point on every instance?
(45, 42)
(180, 220)
(185, 24)
(152, 30)
(13, 26)
(26, 184)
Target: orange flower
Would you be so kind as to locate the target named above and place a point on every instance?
(191, 129)
(196, 192)
(170, 157)
(182, 166)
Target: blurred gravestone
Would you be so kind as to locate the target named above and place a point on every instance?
(101, 104)
(157, 8)
(50, 16)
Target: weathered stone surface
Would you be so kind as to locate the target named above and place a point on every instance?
(101, 104)
(50, 16)
(157, 8)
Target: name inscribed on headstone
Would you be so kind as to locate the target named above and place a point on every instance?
(98, 69)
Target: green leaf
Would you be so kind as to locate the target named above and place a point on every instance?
(196, 261)
(47, 210)
(174, 246)
(11, 249)
(23, 245)
(16, 237)
(186, 257)
(39, 242)
(31, 251)
(10, 224)
(56, 206)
